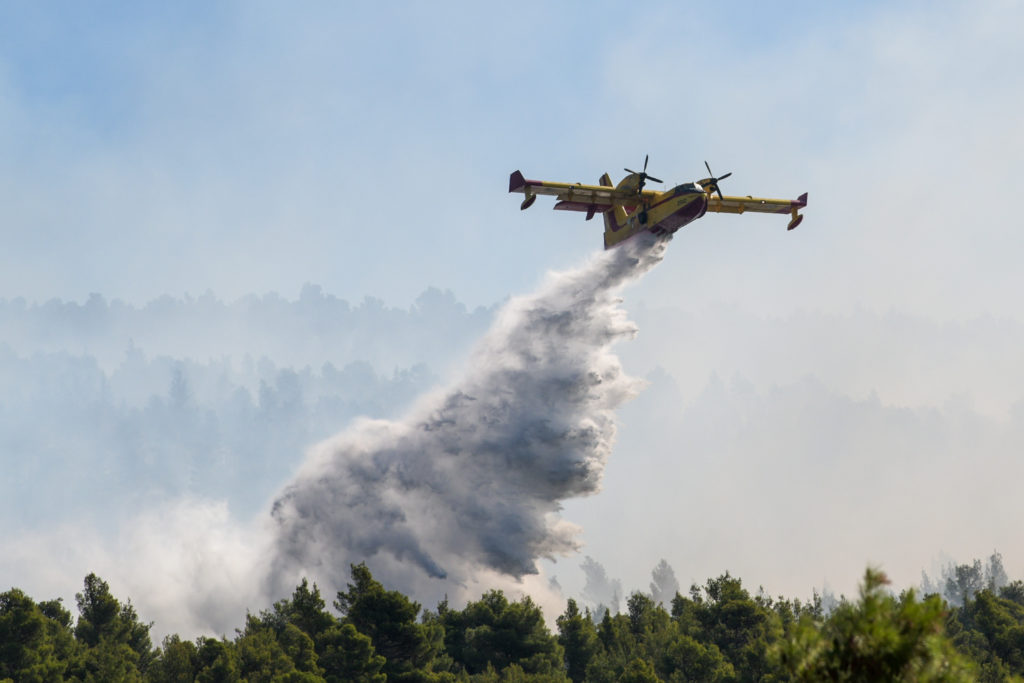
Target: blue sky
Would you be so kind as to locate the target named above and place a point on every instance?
(165, 148)
(247, 147)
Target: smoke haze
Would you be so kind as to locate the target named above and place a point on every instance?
(460, 495)
(790, 436)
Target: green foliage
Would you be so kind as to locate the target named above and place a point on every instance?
(97, 612)
(719, 632)
(578, 638)
(115, 645)
(348, 655)
(645, 617)
(105, 623)
(880, 637)
(682, 646)
(28, 640)
(686, 659)
(729, 630)
(990, 629)
(639, 671)
(218, 661)
(496, 632)
(108, 660)
(306, 610)
(513, 673)
(389, 619)
(300, 649)
(54, 610)
(316, 642)
(178, 662)
(741, 627)
(1013, 591)
(262, 657)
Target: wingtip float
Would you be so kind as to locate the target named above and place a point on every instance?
(628, 209)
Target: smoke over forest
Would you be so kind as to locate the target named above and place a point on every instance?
(150, 443)
(465, 488)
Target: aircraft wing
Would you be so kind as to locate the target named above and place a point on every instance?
(574, 196)
(729, 204)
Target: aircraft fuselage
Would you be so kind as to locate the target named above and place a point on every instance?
(662, 215)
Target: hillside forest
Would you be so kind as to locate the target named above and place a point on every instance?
(971, 629)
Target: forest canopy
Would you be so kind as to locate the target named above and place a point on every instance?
(972, 629)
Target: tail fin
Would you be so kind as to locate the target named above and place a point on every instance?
(615, 217)
(516, 181)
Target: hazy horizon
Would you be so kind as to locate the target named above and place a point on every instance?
(808, 424)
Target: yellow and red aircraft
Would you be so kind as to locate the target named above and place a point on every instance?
(629, 209)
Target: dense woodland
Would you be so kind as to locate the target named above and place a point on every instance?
(972, 630)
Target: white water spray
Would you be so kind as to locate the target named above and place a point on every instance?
(473, 478)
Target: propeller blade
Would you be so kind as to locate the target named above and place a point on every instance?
(714, 180)
(643, 174)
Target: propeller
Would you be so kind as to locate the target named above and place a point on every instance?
(714, 180)
(643, 175)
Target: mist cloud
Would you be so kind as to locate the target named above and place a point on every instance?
(473, 478)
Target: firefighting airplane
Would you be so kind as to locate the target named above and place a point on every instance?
(629, 209)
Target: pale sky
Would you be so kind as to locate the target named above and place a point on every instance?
(239, 147)
(245, 147)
